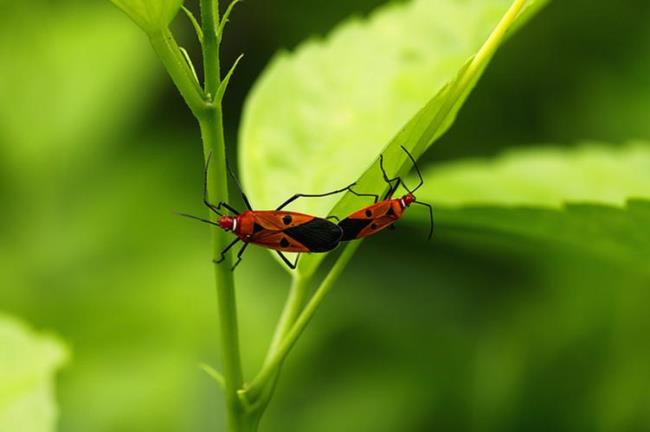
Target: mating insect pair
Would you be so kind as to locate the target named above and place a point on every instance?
(285, 231)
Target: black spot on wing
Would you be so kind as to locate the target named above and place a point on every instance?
(390, 211)
(257, 228)
(352, 227)
(318, 235)
(284, 242)
(286, 219)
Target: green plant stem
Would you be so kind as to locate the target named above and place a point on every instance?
(212, 134)
(211, 68)
(270, 368)
(211, 122)
(298, 293)
(168, 51)
(208, 112)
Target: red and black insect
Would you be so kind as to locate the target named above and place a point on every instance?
(383, 214)
(282, 231)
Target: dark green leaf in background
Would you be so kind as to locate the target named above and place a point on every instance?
(594, 196)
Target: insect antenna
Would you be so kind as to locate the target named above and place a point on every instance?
(197, 218)
(415, 165)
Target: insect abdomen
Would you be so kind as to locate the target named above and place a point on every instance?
(352, 227)
(318, 235)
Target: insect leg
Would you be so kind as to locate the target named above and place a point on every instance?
(228, 206)
(391, 188)
(296, 196)
(241, 191)
(239, 254)
(375, 197)
(287, 262)
(223, 252)
(430, 216)
(214, 208)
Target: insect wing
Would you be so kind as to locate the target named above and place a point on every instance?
(318, 235)
(294, 232)
(278, 240)
(368, 220)
(279, 220)
(372, 211)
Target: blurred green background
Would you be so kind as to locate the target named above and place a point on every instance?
(475, 331)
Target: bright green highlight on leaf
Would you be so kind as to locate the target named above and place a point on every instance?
(28, 362)
(544, 177)
(150, 15)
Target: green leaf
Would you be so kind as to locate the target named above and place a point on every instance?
(150, 15)
(197, 27)
(544, 177)
(28, 362)
(225, 18)
(318, 118)
(221, 91)
(594, 197)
